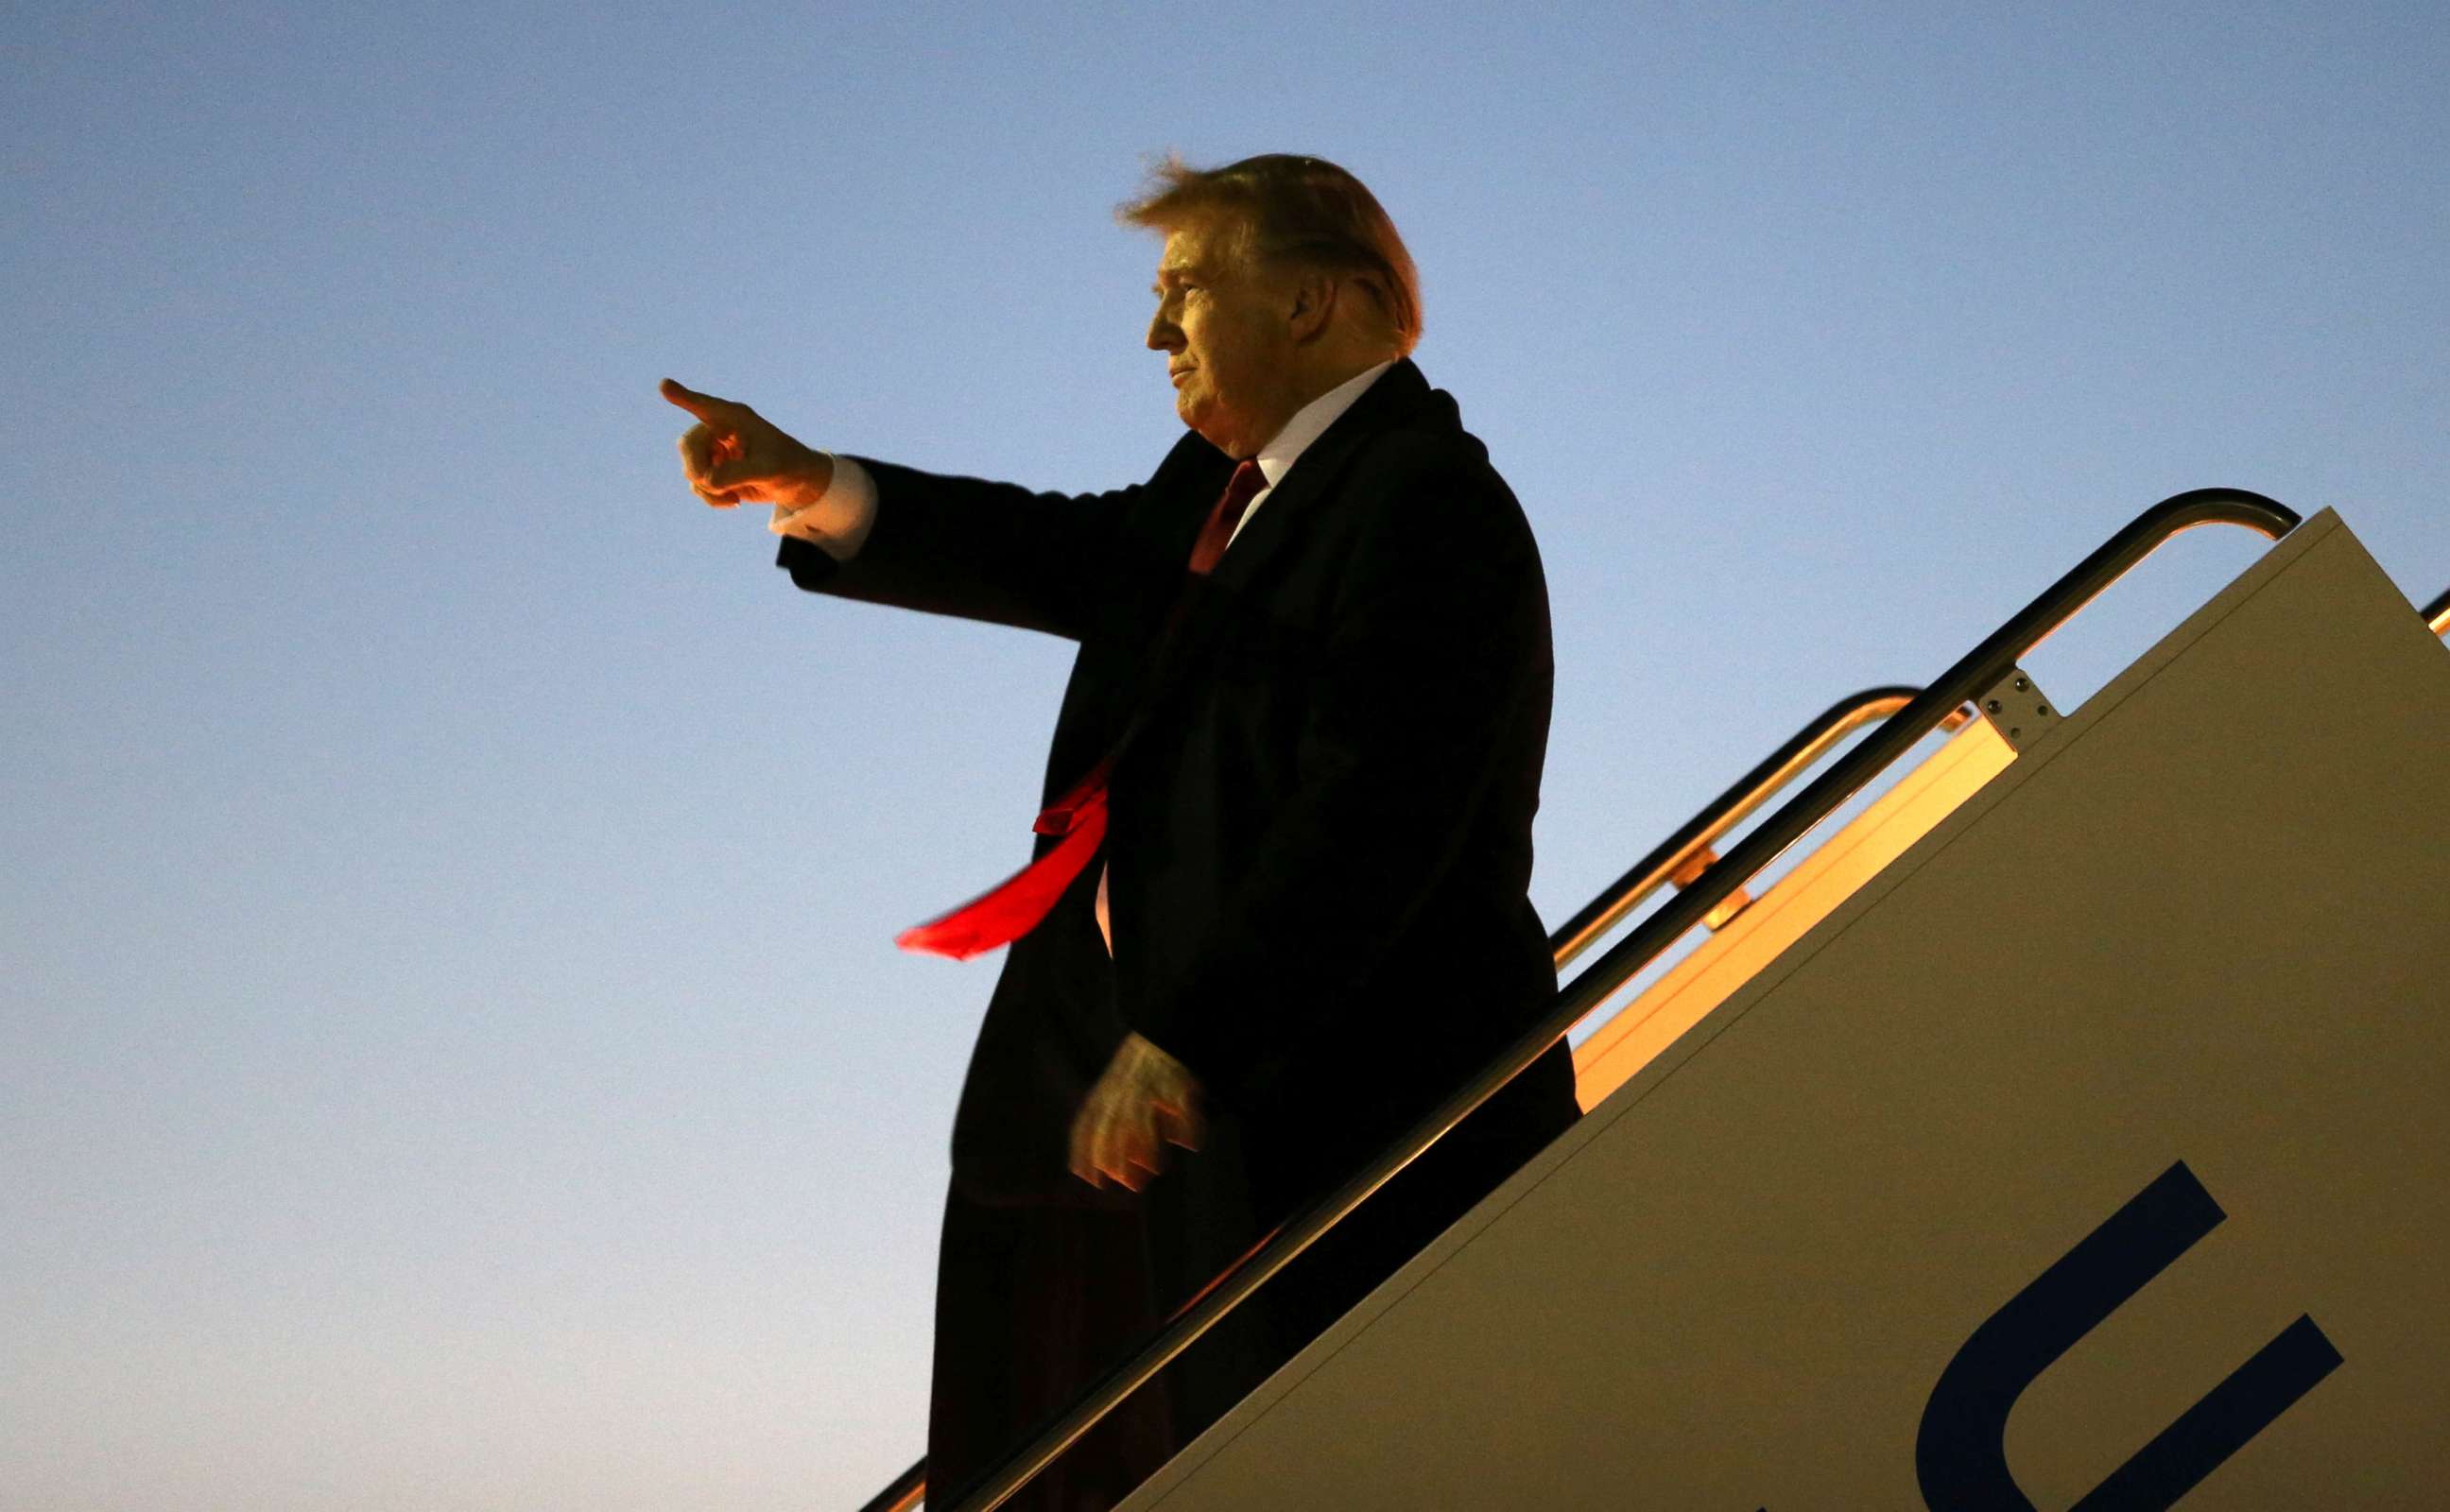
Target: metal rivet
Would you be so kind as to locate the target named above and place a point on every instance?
(2043, 710)
(1992, 704)
(2022, 685)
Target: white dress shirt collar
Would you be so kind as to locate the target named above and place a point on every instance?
(1310, 421)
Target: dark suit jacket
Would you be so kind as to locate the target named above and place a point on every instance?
(1320, 820)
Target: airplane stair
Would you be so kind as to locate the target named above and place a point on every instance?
(2067, 1128)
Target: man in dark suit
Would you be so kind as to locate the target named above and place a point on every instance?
(1315, 760)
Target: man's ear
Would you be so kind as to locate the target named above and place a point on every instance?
(1314, 296)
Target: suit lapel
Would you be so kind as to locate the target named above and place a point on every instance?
(1289, 515)
(1289, 512)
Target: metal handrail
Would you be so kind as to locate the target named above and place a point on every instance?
(1973, 673)
(1669, 859)
(2437, 615)
(905, 1493)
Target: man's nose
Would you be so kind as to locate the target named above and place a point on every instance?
(1164, 335)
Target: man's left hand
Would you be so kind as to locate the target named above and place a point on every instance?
(1145, 1100)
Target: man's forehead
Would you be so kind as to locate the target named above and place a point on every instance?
(1183, 254)
(1201, 245)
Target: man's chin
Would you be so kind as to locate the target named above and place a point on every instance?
(1214, 425)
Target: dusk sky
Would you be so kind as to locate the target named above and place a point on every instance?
(452, 1049)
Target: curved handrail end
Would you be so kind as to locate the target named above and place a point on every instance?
(2227, 506)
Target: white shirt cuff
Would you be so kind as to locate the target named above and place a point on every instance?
(840, 518)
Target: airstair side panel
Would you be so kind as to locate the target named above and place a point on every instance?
(2101, 1135)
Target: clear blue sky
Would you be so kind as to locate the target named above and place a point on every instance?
(451, 1049)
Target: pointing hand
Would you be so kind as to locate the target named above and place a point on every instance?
(735, 456)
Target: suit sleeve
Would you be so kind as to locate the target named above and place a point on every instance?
(986, 550)
(1431, 703)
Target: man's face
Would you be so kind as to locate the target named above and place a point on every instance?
(1222, 322)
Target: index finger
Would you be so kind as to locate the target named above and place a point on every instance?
(705, 406)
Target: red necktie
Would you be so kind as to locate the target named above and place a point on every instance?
(1012, 908)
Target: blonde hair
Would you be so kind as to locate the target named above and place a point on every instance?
(1294, 209)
